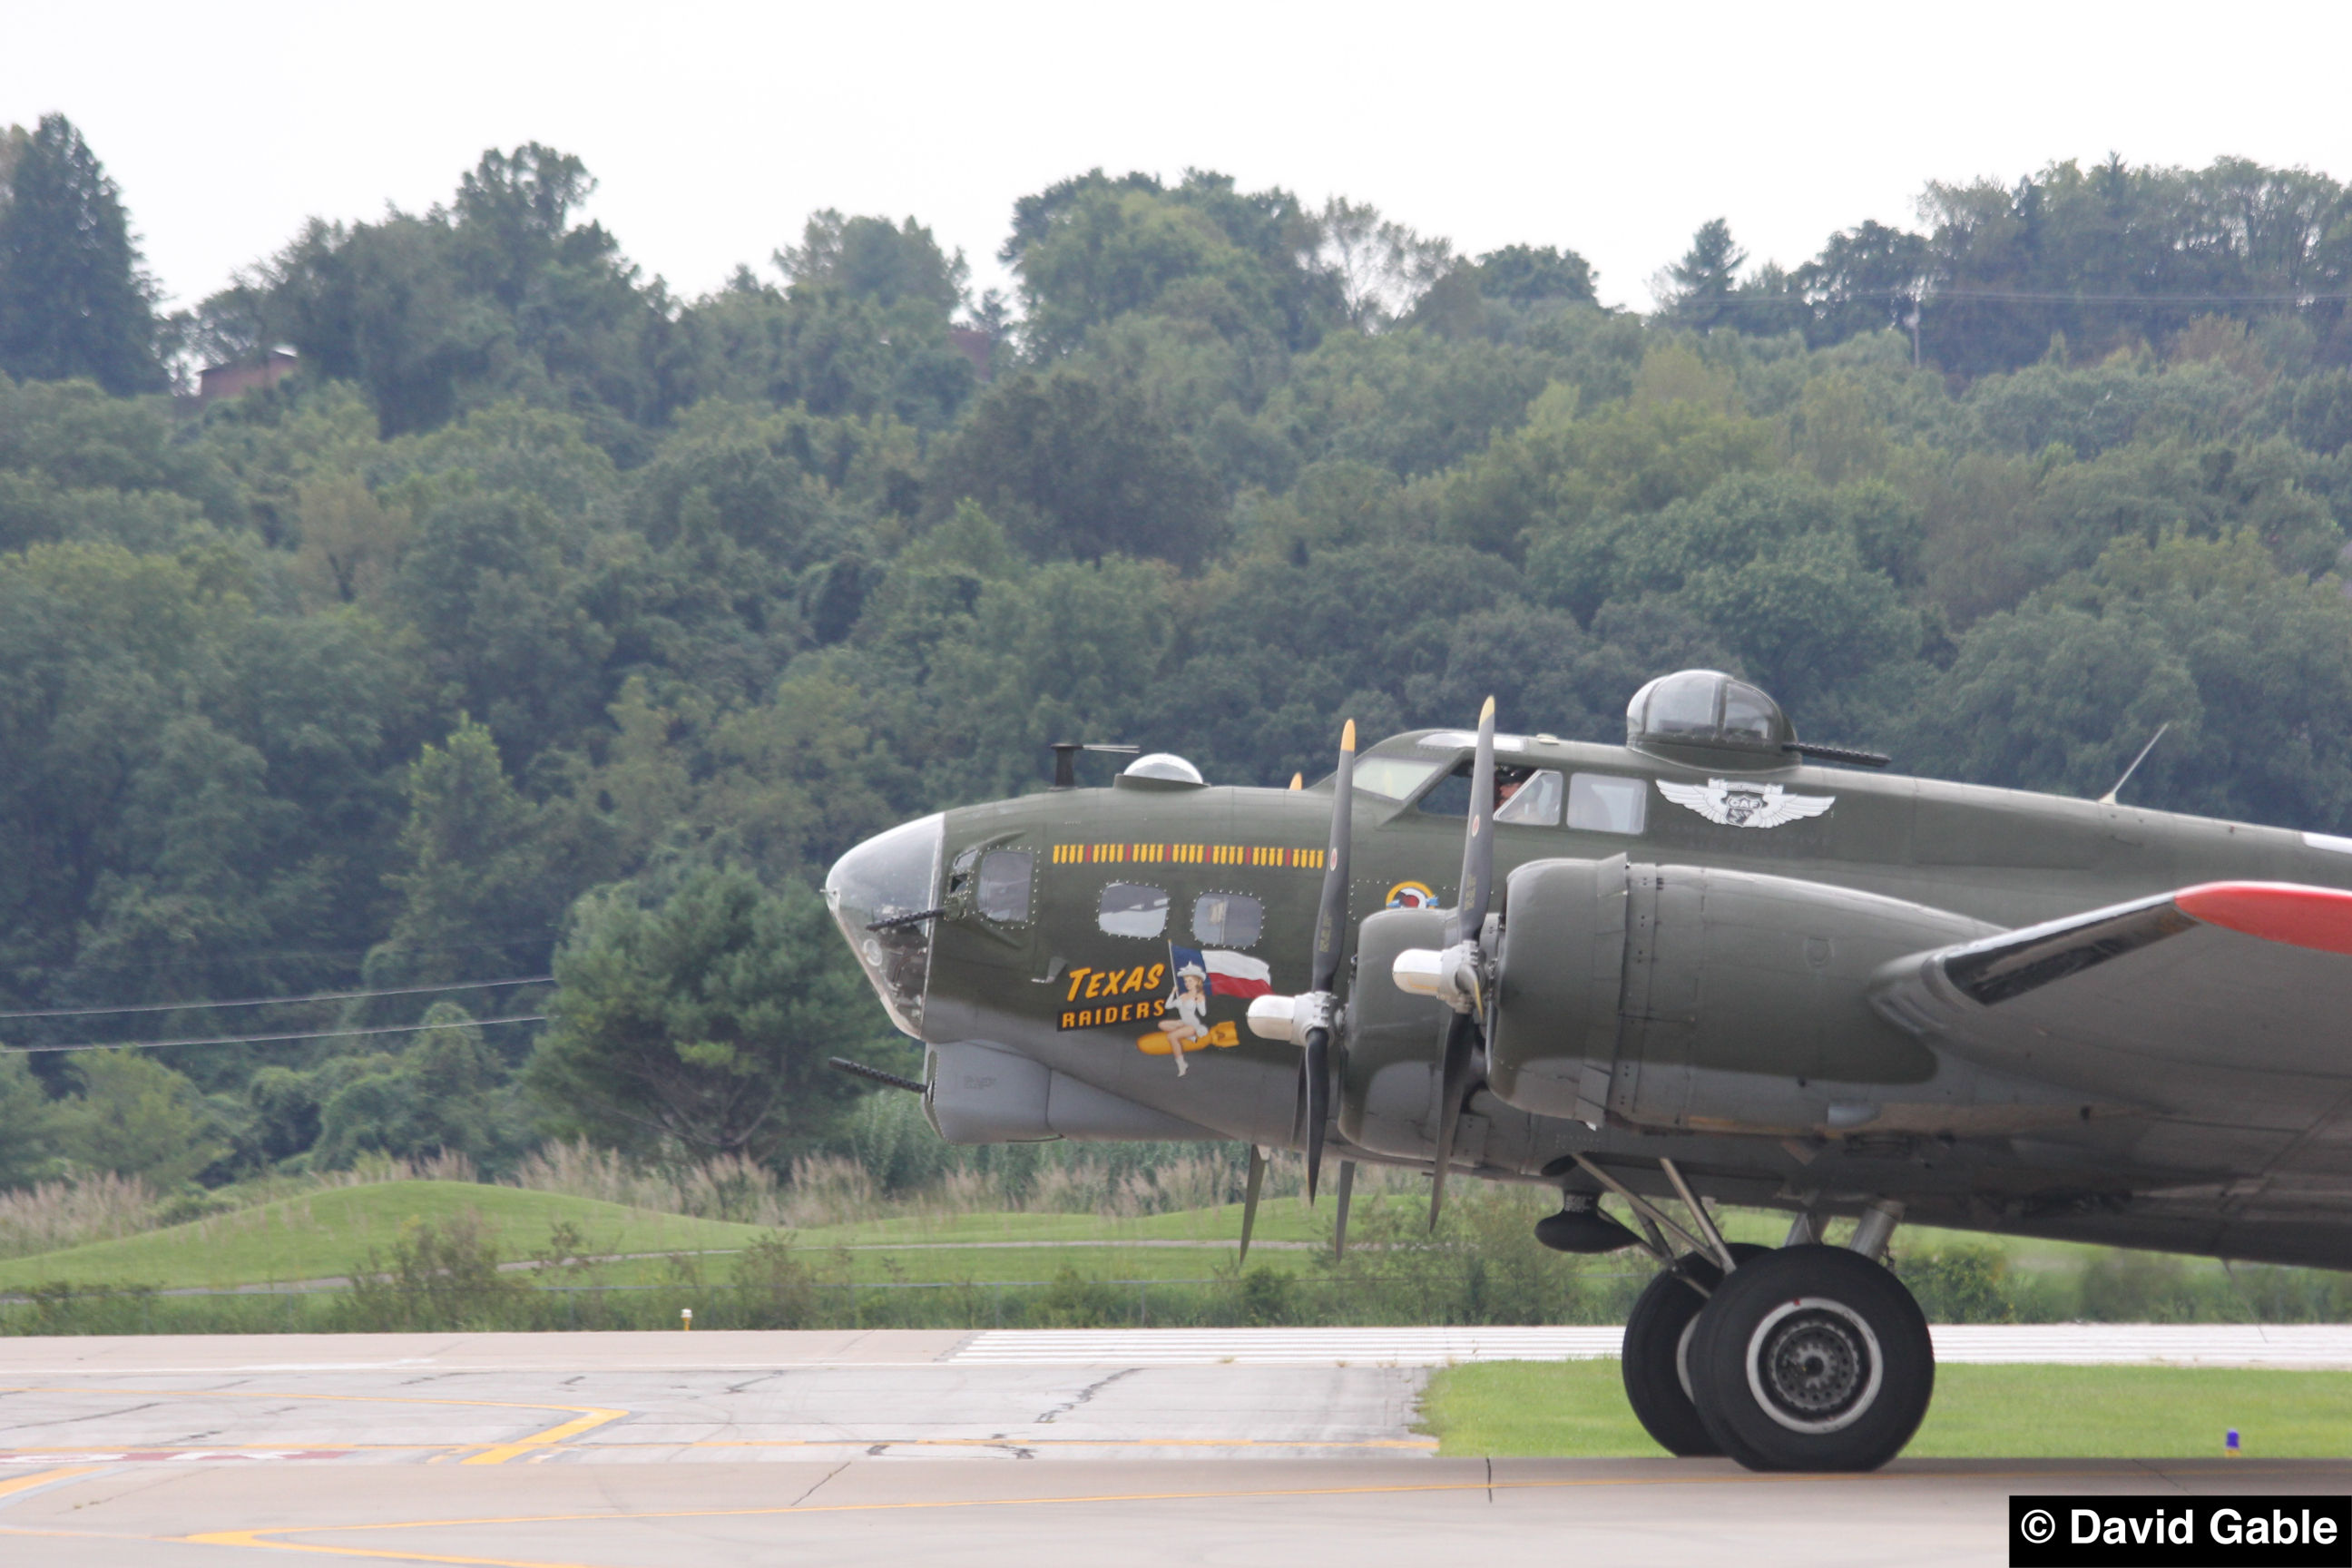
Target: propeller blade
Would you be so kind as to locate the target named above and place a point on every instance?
(1332, 917)
(1318, 1067)
(1249, 1199)
(1467, 924)
(1453, 1084)
(1330, 941)
(1347, 1191)
(1478, 843)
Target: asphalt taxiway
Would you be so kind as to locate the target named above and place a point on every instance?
(613, 1451)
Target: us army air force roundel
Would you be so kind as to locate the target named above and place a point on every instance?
(1737, 803)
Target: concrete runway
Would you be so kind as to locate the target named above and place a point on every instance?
(614, 1451)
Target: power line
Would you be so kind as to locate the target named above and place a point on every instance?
(1922, 293)
(275, 1001)
(266, 1039)
(2031, 297)
(349, 952)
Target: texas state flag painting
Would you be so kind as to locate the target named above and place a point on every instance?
(1228, 973)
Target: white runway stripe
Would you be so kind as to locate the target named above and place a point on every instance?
(2183, 1344)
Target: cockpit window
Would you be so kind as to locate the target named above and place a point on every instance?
(1393, 778)
(1524, 795)
(1005, 879)
(1532, 802)
(1129, 909)
(1227, 920)
(1605, 803)
(1451, 795)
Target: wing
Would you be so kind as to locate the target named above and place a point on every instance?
(2230, 1001)
(1701, 798)
(1790, 809)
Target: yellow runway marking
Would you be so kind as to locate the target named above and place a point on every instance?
(585, 1417)
(14, 1484)
(588, 1421)
(259, 1538)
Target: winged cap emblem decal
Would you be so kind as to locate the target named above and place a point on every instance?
(1735, 803)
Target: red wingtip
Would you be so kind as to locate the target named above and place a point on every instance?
(2317, 918)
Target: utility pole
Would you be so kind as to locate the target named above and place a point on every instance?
(1911, 322)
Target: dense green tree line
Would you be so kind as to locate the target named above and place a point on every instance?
(544, 625)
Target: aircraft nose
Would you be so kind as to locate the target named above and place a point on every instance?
(891, 875)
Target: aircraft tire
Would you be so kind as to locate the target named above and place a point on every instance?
(1813, 1358)
(1658, 1338)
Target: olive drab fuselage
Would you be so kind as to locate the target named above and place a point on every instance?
(1700, 989)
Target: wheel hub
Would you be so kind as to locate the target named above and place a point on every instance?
(1814, 1365)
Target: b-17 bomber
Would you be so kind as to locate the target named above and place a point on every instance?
(1714, 963)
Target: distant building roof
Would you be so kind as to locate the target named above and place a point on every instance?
(219, 381)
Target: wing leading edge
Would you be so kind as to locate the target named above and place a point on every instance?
(2232, 1000)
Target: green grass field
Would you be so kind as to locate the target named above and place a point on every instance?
(1576, 1409)
(328, 1233)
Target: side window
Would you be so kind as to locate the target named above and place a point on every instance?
(1533, 802)
(1227, 920)
(1005, 876)
(1129, 909)
(1604, 802)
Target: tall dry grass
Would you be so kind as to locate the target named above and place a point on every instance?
(819, 1190)
(97, 1206)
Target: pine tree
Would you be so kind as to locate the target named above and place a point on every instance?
(73, 299)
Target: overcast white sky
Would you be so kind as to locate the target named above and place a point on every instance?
(715, 128)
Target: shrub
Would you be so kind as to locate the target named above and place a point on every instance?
(1964, 1283)
(773, 1287)
(1075, 1301)
(436, 1277)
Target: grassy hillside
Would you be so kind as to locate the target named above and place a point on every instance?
(330, 1232)
(1484, 1268)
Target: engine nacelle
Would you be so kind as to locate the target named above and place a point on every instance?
(1387, 1082)
(1689, 997)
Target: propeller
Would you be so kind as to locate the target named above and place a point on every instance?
(1456, 975)
(1307, 1020)
(1347, 1191)
(1330, 938)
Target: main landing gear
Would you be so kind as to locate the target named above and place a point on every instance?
(1804, 1358)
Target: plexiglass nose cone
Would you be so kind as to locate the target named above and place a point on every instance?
(890, 875)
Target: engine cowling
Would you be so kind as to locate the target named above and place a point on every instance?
(1388, 1083)
(1701, 999)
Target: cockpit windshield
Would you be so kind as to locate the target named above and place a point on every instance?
(1393, 778)
(887, 877)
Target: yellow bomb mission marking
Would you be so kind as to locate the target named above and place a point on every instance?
(1188, 855)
